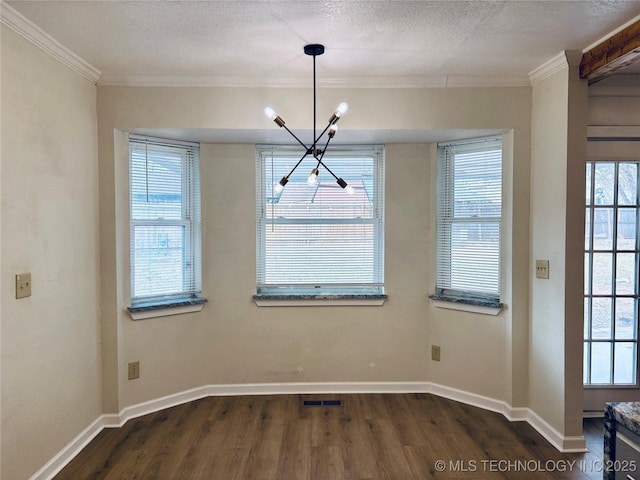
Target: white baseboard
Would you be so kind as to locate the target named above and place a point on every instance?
(64, 456)
(264, 389)
(561, 443)
(480, 401)
(564, 444)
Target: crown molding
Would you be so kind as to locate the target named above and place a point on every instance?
(551, 67)
(573, 57)
(34, 34)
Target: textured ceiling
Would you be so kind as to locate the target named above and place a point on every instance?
(368, 43)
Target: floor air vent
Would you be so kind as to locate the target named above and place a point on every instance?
(322, 403)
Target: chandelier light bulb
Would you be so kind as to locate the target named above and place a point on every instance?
(269, 112)
(347, 188)
(280, 186)
(342, 109)
(312, 180)
(332, 131)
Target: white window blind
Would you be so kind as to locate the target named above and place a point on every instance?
(320, 240)
(469, 215)
(165, 220)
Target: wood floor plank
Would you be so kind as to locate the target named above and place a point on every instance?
(168, 458)
(264, 452)
(358, 454)
(295, 450)
(370, 437)
(327, 463)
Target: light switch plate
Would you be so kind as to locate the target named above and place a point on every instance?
(23, 285)
(542, 269)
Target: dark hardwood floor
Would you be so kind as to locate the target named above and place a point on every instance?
(372, 436)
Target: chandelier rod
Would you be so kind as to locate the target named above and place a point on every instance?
(314, 104)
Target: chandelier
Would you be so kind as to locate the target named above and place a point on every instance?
(318, 154)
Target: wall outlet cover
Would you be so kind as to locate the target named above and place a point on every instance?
(435, 353)
(23, 285)
(134, 370)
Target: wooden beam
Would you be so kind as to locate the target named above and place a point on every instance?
(611, 56)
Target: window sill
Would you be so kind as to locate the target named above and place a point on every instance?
(175, 307)
(484, 307)
(318, 300)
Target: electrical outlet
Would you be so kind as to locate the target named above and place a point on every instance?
(23, 285)
(435, 353)
(134, 370)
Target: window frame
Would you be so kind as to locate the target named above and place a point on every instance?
(190, 298)
(445, 296)
(319, 293)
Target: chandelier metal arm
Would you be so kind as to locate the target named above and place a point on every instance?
(296, 165)
(297, 139)
(320, 162)
(322, 133)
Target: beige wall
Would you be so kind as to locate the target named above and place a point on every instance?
(234, 341)
(51, 355)
(557, 216)
(51, 365)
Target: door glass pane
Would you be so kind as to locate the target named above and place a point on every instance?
(625, 319)
(625, 273)
(601, 362)
(628, 184)
(601, 318)
(602, 273)
(627, 228)
(625, 371)
(603, 229)
(604, 183)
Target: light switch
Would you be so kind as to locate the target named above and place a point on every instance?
(542, 269)
(23, 285)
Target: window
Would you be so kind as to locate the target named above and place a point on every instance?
(611, 274)
(320, 240)
(165, 221)
(469, 211)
